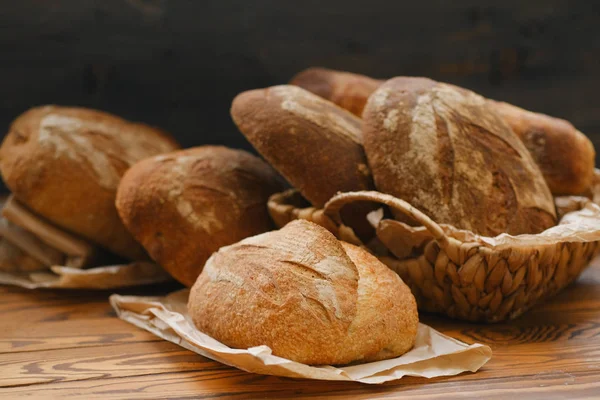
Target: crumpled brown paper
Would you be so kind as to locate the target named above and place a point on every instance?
(579, 222)
(434, 354)
(35, 254)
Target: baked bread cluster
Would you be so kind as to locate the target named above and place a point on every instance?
(452, 153)
(565, 156)
(84, 182)
(63, 166)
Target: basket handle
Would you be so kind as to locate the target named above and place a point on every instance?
(334, 205)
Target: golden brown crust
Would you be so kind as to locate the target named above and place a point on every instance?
(307, 296)
(65, 164)
(347, 90)
(444, 150)
(184, 205)
(565, 155)
(384, 302)
(314, 144)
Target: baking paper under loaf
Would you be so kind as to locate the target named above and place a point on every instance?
(433, 355)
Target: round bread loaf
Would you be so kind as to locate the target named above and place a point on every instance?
(65, 164)
(184, 205)
(446, 151)
(306, 295)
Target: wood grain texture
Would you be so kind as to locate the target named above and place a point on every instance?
(70, 345)
(84, 363)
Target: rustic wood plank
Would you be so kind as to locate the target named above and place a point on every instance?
(69, 333)
(54, 310)
(126, 360)
(552, 351)
(239, 385)
(46, 320)
(14, 294)
(118, 360)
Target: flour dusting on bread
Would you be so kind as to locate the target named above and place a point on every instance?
(319, 112)
(106, 150)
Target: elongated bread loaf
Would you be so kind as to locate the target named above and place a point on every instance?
(565, 155)
(306, 295)
(65, 164)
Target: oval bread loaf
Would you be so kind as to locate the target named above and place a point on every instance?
(184, 205)
(314, 144)
(65, 164)
(306, 295)
(444, 150)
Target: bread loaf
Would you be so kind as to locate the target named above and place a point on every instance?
(347, 90)
(306, 295)
(314, 144)
(565, 155)
(184, 205)
(65, 164)
(447, 152)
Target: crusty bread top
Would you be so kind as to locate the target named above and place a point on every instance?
(443, 149)
(348, 90)
(306, 295)
(313, 143)
(184, 205)
(565, 155)
(65, 164)
(104, 144)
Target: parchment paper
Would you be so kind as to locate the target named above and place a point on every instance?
(105, 277)
(434, 354)
(579, 222)
(36, 254)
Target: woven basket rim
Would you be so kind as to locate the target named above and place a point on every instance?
(442, 233)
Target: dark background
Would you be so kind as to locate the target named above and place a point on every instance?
(177, 64)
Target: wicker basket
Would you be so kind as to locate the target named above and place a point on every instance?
(456, 272)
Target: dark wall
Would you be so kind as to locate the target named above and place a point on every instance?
(178, 64)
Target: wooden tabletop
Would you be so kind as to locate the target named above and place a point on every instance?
(69, 344)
